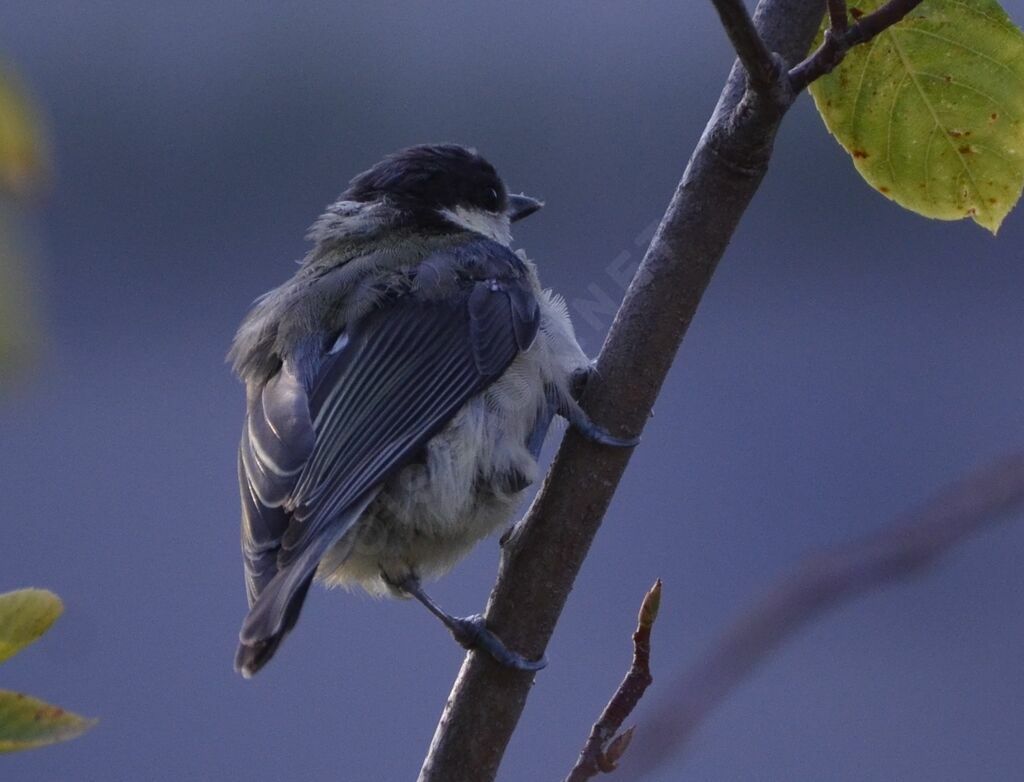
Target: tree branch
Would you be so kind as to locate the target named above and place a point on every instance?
(603, 749)
(541, 560)
(839, 38)
(750, 47)
(902, 549)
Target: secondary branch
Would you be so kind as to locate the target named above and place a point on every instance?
(603, 749)
(904, 548)
(840, 37)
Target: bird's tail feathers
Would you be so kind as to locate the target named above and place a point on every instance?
(276, 611)
(277, 606)
(254, 654)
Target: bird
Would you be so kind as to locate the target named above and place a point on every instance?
(399, 387)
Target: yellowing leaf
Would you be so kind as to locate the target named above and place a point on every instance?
(24, 616)
(26, 722)
(932, 110)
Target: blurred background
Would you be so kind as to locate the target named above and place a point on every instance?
(848, 359)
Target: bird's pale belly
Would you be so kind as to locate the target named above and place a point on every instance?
(467, 485)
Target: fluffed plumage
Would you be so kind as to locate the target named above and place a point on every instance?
(399, 387)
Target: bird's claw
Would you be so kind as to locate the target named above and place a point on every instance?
(571, 411)
(472, 633)
(598, 434)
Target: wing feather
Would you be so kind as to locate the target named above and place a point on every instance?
(405, 371)
(276, 442)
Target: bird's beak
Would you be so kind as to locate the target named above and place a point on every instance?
(520, 206)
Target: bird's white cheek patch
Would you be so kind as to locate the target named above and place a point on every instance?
(493, 226)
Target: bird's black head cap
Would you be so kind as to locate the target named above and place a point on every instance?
(431, 177)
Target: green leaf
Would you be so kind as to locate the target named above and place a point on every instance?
(932, 110)
(24, 616)
(26, 722)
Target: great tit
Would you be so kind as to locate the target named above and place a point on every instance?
(398, 389)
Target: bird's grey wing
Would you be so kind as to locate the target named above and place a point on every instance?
(404, 372)
(394, 379)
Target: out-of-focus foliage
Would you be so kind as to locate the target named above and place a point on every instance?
(932, 110)
(26, 722)
(23, 157)
(24, 616)
(19, 332)
(24, 167)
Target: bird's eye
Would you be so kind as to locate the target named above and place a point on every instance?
(492, 200)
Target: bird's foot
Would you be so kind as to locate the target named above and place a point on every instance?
(578, 418)
(472, 633)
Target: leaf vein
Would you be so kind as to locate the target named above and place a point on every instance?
(959, 45)
(979, 12)
(964, 85)
(931, 110)
(888, 129)
(995, 152)
(860, 84)
(927, 163)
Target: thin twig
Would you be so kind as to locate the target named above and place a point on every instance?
(837, 15)
(900, 550)
(604, 748)
(750, 47)
(840, 38)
